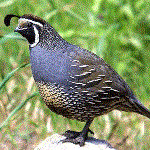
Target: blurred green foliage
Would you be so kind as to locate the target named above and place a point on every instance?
(117, 30)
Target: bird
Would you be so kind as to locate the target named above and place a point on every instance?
(73, 81)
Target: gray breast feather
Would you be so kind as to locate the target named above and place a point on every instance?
(49, 66)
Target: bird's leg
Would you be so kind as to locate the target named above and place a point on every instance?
(78, 137)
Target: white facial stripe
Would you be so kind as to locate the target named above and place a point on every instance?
(21, 28)
(28, 20)
(36, 37)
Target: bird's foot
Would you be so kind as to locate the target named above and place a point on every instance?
(76, 137)
(71, 134)
(77, 140)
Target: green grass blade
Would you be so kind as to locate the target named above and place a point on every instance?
(75, 15)
(10, 75)
(51, 14)
(6, 3)
(12, 36)
(17, 109)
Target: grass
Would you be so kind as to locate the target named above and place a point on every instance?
(118, 31)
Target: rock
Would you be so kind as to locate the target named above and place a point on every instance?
(54, 141)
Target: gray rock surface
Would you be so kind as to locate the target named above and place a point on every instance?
(54, 142)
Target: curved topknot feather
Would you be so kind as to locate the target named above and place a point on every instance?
(8, 18)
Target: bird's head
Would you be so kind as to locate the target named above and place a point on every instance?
(29, 26)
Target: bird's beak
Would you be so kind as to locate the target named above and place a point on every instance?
(16, 29)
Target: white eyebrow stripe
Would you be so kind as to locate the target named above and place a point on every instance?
(36, 37)
(34, 22)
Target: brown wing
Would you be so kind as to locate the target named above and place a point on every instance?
(96, 77)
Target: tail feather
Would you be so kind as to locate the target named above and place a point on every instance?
(141, 109)
(134, 105)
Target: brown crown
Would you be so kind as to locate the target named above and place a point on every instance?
(34, 18)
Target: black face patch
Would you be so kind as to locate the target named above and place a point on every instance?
(28, 33)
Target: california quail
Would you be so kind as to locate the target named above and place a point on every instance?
(72, 81)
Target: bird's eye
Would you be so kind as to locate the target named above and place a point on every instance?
(29, 24)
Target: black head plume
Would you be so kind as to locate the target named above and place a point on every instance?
(8, 18)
